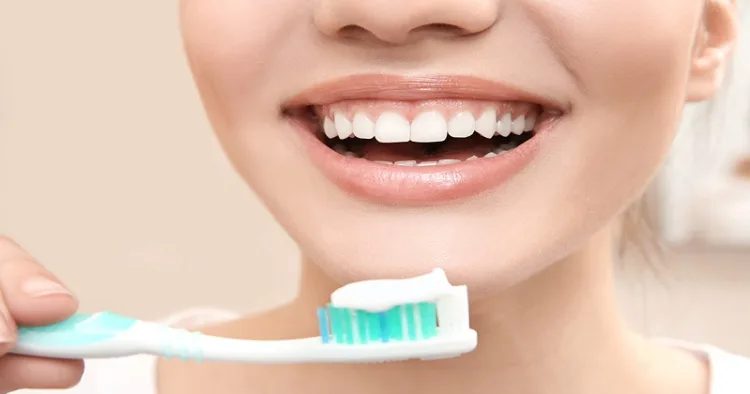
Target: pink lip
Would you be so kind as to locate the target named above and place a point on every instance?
(399, 185)
(399, 88)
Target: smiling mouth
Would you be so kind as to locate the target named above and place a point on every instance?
(401, 140)
(424, 133)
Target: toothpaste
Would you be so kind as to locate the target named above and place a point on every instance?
(382, 295)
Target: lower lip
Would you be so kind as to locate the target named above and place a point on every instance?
(400, 185)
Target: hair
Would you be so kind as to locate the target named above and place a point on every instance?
(639, 235)
(641, 232)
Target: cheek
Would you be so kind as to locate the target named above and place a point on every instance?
(239, 51)
(624, 48)
(631, 61)
(244, 56)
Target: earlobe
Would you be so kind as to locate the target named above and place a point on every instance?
(712, 49)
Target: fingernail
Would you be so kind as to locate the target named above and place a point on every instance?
(40, 287)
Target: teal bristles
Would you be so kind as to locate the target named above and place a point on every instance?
(411, 322)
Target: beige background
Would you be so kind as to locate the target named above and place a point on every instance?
(110, 175)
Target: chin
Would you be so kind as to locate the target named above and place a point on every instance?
(471, 244)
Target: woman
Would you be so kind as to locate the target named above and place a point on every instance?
(499, 140)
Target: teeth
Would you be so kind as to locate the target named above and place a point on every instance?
(429, 127)
(504, 126)
(437, 163)
(517, 126)
(485, 125)
(392, 128)
(461, 125)
(529, 123)
(428, 163)
(343, 126)
(340, 149)
(363, 127)
(329, 128)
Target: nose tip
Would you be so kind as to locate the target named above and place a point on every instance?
(401, 21)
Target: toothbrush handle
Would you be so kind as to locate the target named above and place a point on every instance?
(107, 335)
(99, 335)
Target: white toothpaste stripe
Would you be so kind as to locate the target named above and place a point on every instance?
(404, 323)
(417, 321)
(367, 329)
(359, 295)
(355, 326)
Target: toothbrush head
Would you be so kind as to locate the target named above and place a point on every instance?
(417, 318)
(410, 322)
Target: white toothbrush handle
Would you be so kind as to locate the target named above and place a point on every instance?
(107, 335)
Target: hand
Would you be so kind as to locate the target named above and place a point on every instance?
(31, 296)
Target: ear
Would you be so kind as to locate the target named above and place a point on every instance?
(712, 48)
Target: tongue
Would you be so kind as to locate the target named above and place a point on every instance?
(454, 148)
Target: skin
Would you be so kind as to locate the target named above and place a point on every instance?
(535, 252)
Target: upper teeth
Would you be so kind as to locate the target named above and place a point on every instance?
(364, 128)
(427, 126)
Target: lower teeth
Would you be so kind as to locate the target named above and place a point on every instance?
(426, 163)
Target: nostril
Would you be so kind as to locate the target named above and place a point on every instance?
(353, 31)
(442, 29)
(399, 22)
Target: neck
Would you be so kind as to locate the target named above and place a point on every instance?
(558, 332)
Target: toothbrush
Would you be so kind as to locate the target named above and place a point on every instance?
(369, 321)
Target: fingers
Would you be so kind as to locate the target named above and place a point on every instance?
(32, 295)
(7, 328)
(20, 372)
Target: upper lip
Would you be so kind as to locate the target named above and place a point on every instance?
(414, 88)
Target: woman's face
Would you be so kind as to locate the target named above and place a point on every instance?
(486, 137)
